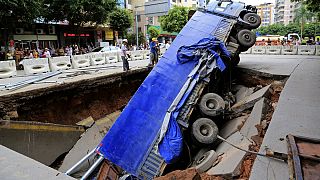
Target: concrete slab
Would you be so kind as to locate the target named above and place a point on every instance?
(88, 141)
(15, 166)
(233, 126)
(243, 92)
(249, 128)
(43, 142)
(88, 122)
(249, 101)
(297, 113)
(230, 164)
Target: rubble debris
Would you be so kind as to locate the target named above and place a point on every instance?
(243, 92)
(88, 122)
(190, 174)
(17, 166)
(108, 171)
(233, 126)
(249, 128)
(249, 101)
(231, 160)
(43, 142)
(13, 115)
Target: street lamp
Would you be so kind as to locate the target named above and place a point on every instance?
(137, 29)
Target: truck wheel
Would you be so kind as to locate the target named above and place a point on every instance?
(211, 104)
(253, 19)
(246, 38)
(204, 130)
(204, 160)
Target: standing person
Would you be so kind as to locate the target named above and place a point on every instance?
(46, 53)
(153, 51)
(167, 45)
(17, 55)
(318, 41)
(123, 54)
(69, 51)
(35, 54)
(269, 42)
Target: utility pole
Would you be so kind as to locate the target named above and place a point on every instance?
(137, 30)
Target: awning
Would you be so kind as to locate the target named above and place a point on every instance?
(35, 37)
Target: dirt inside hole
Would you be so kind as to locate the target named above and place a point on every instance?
(73, 102)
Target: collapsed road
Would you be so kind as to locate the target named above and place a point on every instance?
(264, 73)
(188, 112)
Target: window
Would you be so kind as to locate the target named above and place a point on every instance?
(129, 2)
(139, 18)
(139, 29)
(174, 1)
(150, 20)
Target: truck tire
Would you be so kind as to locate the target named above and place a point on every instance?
(253, 19)
(204, 160)
(211, 104)
(246, 38)
(204, 131)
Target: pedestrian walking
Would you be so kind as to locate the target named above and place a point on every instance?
(153, 51)
(123, 54)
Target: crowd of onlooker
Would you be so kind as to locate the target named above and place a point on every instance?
(285, 42)
(19, 54)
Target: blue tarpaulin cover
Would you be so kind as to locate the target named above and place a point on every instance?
(137, 128)
(171, 144)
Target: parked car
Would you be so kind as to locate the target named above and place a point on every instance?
(106, 49)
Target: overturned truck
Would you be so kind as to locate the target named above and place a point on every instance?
(175, 106)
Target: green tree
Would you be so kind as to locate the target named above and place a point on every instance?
(78, 12)
(13, 11)
(302, 15)
(311, 5)
(132, 38)
(120, 20)
(175, 20)
(153, 32)
(274, 29)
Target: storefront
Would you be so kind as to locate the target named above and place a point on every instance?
(35, 41)
(82, 36)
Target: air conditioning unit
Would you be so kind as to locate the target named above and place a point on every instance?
(39, 31)
(52, 29)
(19, 30)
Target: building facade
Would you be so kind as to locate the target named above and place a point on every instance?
(266, 12)
(284, 11)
